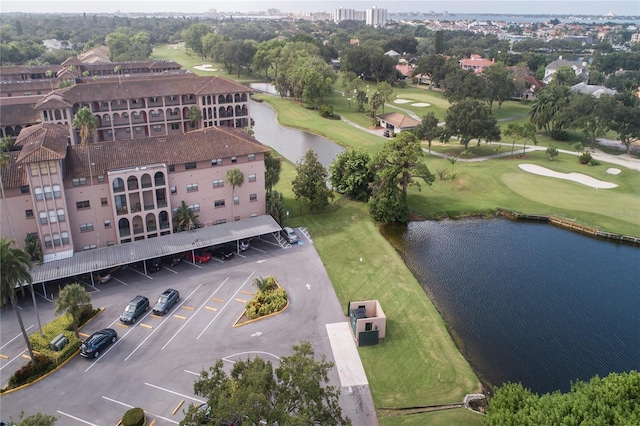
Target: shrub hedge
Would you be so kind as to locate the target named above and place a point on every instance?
(269, 298)
(133, 417)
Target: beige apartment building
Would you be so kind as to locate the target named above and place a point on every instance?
(77, 197)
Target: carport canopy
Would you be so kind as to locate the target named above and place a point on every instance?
(122, 254)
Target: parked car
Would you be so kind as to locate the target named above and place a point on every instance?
(244, 245)
(290, 235)
(223, 252)
(102, 277)
(98, 342)
(134, 309)
(204, 408)
(173, 260)
(153, 265)
(386, 133)
(166, 301)
(200, 257)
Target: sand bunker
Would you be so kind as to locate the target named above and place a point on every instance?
(574, 177)
(421, 104)
(613, 171)
(401, 101)
(205, 67)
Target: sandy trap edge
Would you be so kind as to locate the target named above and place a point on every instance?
(574, 177)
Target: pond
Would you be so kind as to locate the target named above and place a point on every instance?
(529, 302)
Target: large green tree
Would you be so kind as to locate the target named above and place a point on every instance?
(126, 46)
(613, 400)
(428, 129)
(185, 219)
(351, 174)
(310, 182)
(86, 123)
(471, 119)
(295, 393)
(193, 38)
(272, 167)
(626, 119)
(500, 85)
(15, 265)
(235, 178)
(73, 299)
(525, 132)
(593, 116)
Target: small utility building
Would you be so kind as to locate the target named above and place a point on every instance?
(368, 322)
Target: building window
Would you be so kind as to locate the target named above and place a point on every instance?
(56, 240)
(192, 187)
(154, 114)
(253, 197)
(104, 202)
(107, 119)
(175, 126)
(60, 213)
(65, 237)
(43, 218)
(28, 214)
(174, 190)
(80, 205)
(90, 247)
(220, 221)
(138, 130)
(172, 167)
(79, 181)
(189, 166)
(24, 189)
(216, 162)
(100, 179)
(218, 203)
(218, 183)
(37, 192)
(252, 178)
(195, 207)
(34, 169)
(128, 130)
(47, 241)
(110, 243)
(236, 200)
(253, 215)
(157, 128)
(110, 133)
(251, 157)
(48, 194)
(86, 227)
(57, 193)
(107, 223)
(234, 160)
(53, 217)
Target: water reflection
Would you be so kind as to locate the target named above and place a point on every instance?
(529, 302)
(290, 143)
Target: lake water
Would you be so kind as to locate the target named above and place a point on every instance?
(529, 302)
(290, 143)
(526, 302)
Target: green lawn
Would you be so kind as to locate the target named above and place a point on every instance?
(458, 416)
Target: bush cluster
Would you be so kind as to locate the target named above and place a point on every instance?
(326, 111)
(585, 157)
(133, 417)
(40, 365)
(269, 298)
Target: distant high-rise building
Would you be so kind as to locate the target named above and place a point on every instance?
(343, 14)
(273, 12)
(376, 17)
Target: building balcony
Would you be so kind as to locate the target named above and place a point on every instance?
(162, 203)
(148, 207)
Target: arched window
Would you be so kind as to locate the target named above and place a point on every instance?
(132, 183)
(159, 179)
(118, 185)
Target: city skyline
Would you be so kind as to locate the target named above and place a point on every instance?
(566, 7)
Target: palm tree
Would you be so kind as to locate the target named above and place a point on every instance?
(375, 102)
(185, 219)
(194, 116)
(234, 178)
(86, 122)
(14, 274)
(73, 299)
(32, 247)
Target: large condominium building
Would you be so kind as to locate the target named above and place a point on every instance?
(81, 197)
(343, 14)
(376, 17)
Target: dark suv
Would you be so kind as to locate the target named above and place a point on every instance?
(134, 309)
(166, 301)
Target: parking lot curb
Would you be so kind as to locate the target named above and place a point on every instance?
(239, 324)
(26, 385)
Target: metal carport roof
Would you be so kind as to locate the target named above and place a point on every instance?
(122, 254)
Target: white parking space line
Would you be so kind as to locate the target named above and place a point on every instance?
(75, 418)
(170, 270)
(19, 335)
(120, 281)
(13, 359)
(192, 372)
(228, 358)
(135, 270)
(257, 249)
(225, 305)
(194, 314)
(161, 324)
(150, 414)
(176, 393)
(193, 264)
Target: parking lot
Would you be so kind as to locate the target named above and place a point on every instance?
(156, 360)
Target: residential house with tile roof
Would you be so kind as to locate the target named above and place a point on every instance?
(476, 63)
(81, 197)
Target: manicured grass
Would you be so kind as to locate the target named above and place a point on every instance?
(458, 416)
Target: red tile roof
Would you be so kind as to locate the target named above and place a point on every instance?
(42, 143)
(399, 120)
(14, 174)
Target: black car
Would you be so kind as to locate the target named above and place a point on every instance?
(98, 342)
(153, 265)
(173, 260)
(221, 252)
(166, 301)
(134, 309)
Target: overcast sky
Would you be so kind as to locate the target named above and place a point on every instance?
(577, 7)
